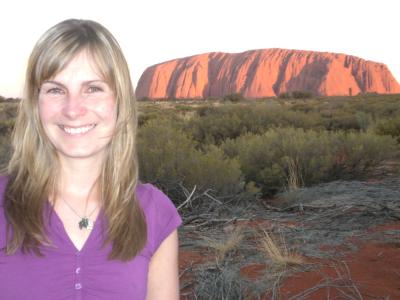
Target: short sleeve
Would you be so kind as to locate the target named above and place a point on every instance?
(161, 215)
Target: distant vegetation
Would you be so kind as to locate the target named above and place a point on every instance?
(261, 146)
(8, 111)
(268, 145)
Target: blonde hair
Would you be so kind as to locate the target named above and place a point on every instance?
(33, 167)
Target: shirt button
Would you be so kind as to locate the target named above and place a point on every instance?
(78, 286)
(78, 270)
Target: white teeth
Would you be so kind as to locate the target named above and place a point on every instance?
(77, 130)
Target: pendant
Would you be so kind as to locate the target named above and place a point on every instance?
(83, 223)
(90, 225)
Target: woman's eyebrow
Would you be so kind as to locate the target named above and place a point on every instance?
(53, 82)
(86, 82)
(94, 81)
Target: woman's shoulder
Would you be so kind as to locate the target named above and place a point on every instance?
(162, 217)
(148, 194)
(145, 188)
(153, 201)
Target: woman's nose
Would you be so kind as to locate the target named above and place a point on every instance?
(74, 106)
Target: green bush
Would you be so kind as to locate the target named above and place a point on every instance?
(281, 156)
(364, 120)
(301, 94)
(214, 170)
(342, 122)
(164, 152)
(290, 158)
(5, 150)
(389, 127)
(356, 154)
(235, 97)
(285, 95)
(284, 144)
(168, 156)
(6, 127)
(296, 95)
(213, 125)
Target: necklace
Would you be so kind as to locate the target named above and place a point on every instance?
(85, 222)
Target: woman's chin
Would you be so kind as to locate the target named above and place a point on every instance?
(83, 153)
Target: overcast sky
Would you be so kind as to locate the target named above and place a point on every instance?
(153, 31)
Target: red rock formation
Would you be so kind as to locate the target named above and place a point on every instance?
(265, 73)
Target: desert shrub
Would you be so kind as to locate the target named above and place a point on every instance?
(301, 94)
(6, 127)
(281, 156)
(389, 127)
(296, 95)
(5, 150)
(235, 97)
(168, 156)
(183, 108)
(215, 125)
(214, 170)
(158, 113)
(359, 153)
(342, 122)
(349, 113)
(285, 95)
(291, 158)
(8, 109)
(297, 119)
(278, 143)
(364, 120)
(209, 124)
(164, 152)
(146, 99)
(382, 106)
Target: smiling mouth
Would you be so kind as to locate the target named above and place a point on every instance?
(77, 130)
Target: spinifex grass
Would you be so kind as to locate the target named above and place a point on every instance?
(278, 252)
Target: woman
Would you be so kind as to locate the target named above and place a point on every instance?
(74, 221)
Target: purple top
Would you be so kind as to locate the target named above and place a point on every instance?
(66, 273)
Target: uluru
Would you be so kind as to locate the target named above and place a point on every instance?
(265, 73)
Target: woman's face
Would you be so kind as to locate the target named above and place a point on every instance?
(77, 109)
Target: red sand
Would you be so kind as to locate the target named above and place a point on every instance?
(374, 270)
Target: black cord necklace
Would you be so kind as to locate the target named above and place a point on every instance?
(85, 222)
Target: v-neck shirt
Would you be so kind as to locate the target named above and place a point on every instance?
(66, 273)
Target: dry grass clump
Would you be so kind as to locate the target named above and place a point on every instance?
(294, 177)
(278, 252)
(219, 283)
(222, 248)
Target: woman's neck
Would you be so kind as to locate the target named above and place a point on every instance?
(78, 179)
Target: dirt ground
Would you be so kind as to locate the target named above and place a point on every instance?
(346, 234)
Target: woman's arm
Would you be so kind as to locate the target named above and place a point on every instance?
(163, 280)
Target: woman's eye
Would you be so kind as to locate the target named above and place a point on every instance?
(55, 91)
(94, 89)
